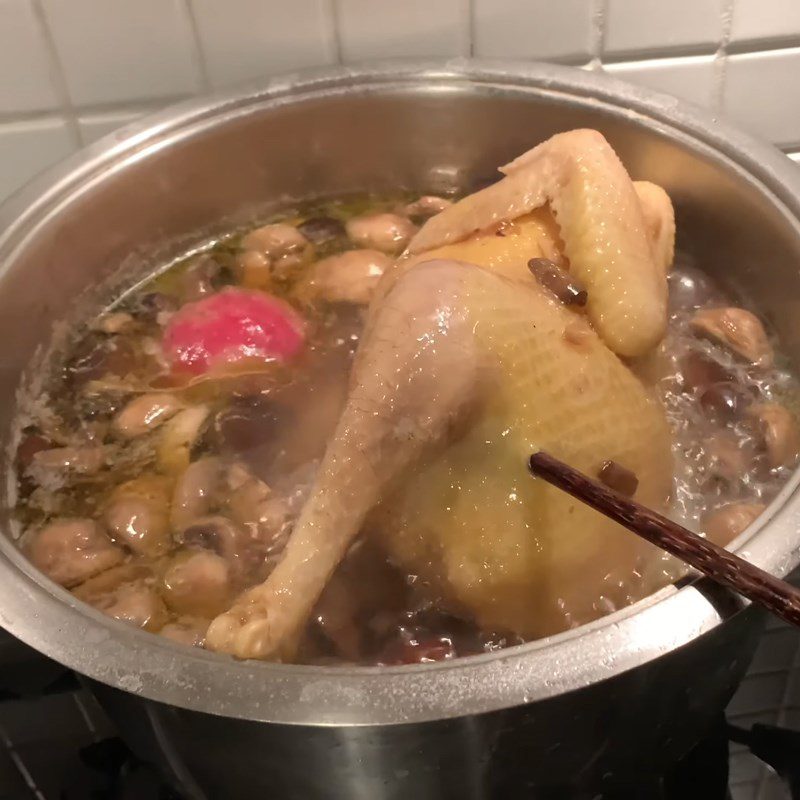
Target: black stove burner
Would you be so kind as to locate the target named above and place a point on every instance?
(107, 770)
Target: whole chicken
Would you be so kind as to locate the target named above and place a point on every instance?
(467, 365)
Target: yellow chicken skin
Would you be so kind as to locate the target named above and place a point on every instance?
(515, 553)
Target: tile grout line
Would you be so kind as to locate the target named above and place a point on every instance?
(141, 107)
(333, 19)
(57, 75)
(599, 12)
(468, 27)
(198, 54)
(721, 56)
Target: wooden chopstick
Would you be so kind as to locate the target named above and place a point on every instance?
(722, 566)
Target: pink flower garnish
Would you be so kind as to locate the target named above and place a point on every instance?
(230, 328)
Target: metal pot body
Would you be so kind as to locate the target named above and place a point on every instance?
(606, 702)
(615, 739)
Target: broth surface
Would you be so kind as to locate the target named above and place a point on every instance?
(159, 494)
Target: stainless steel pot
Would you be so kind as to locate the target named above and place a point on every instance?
(609, 701)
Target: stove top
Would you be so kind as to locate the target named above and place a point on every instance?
(58, 745)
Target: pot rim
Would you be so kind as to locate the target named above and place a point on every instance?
(51, 620)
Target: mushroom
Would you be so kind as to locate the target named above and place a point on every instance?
(275, 240)
(283, 244)
(349, 277)
(253, 269)
(738, 330)
(336, 614)
(137, 515)
(146, 413)
(426, 206)
(779, 431)
(265, 514)
(178, 436)
(218, 534)
(71, 550)
(322, 230)
(187, 630)
(157, 307)
(135, 603)
(97, 356)
(197, 582)
(726, 523)
(81, 460)
(726, 457)
(246, 495)
(389, 233)
(31, 444)
(689, 289)
(196, 281)
(114, 322)
(194, 491)
(126, 593)
(698, 372)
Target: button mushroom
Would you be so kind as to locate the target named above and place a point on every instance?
(188, 631)
(69, 551)
(178, 436)
(322, 230)
(197, 582)
(80, 460)
(726, 523)
(726, 457)
(194, 491)
(137, 604)
(690, 288)
(145, 413)
(114, 322)
(282, 244)
(389, 233)
(253, 269)
(246, 495)
(779, 431)
(137, 515)
(426, 206)
(126, 593)
(275, 240)
(218, 534)
(738, 330)
(349, 277)
(197, 280)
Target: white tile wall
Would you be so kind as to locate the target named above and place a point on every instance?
(691, 78)
(244, 39)
(760, 93)
(28, 147)
(121, 50)
(421, 28)
(25, 75)
(93, 126)
(73, 70)
(533, 29)
(765, 19)
(650, 25)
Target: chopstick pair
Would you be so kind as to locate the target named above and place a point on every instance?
(722, 566)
